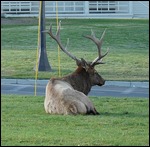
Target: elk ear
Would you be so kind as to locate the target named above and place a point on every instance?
(84, 64)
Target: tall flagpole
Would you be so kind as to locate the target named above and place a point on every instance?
(43, 64)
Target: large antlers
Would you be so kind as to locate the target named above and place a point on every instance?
(64, 49)
(98, 43)
(81, 61)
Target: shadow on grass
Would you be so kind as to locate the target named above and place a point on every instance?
(125, 114)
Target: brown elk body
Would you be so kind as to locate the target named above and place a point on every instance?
(68, 94)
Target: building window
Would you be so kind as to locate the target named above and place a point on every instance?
(108, 7)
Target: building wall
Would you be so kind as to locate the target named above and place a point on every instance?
(141, 9)
(83, 9)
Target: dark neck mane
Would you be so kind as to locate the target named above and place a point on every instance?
(79, 80)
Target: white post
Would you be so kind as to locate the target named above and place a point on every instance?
(86, 7)
(131, 8)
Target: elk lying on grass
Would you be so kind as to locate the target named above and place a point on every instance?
(68, 95)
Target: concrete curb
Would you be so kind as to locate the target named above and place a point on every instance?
(44, 82)
(128, 84)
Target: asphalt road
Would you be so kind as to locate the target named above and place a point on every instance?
(106, 90)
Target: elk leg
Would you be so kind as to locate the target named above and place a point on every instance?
(97, 113)
(92, 111)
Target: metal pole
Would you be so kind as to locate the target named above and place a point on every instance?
(43, 60)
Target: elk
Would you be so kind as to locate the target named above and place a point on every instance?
(68, 94)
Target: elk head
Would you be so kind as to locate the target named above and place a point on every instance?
(85, 76)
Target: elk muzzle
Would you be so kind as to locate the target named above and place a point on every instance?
(102, 82)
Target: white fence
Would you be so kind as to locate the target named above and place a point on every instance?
(69, 8)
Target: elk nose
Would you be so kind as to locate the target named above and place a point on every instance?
(103, 82)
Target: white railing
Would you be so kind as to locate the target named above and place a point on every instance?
(16, 7)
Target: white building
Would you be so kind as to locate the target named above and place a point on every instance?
(77, 9)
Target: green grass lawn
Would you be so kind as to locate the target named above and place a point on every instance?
(123, 122)
(128, 40)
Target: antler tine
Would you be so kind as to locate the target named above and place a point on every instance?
(58, 31)
(98, 60)
(57, 39)
(98, 43)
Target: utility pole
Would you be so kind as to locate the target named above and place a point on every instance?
(43, 64)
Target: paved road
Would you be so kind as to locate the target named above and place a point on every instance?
(27, 88)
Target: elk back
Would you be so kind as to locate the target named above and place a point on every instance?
(61, 98)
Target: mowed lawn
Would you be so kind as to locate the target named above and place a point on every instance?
(128, 40)
(122, 122)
